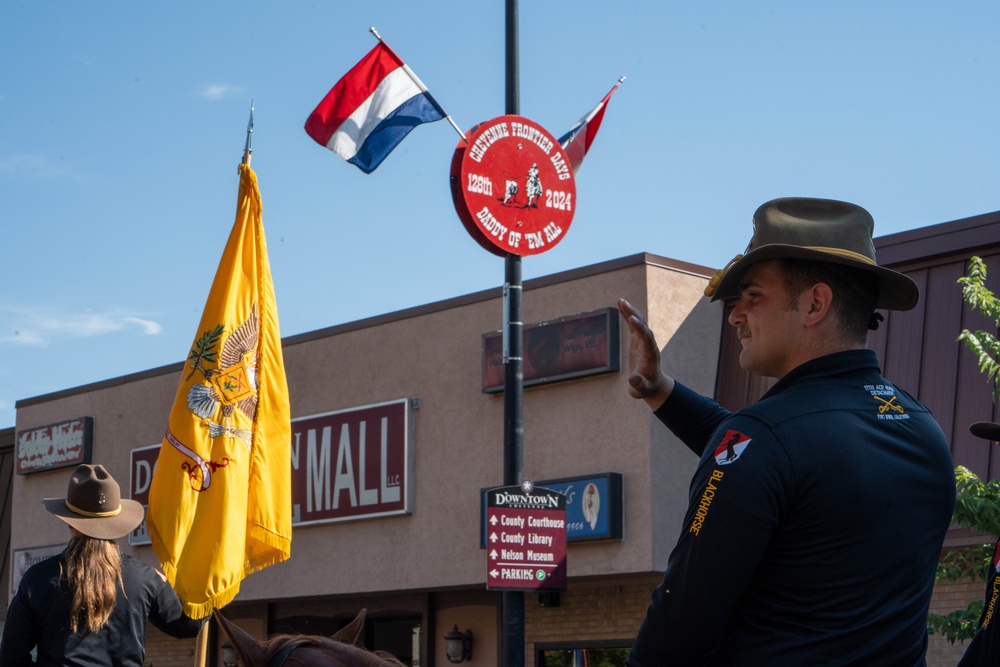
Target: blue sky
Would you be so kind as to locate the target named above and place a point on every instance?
(123, 123)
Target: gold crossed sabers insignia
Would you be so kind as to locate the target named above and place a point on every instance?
(888, 405)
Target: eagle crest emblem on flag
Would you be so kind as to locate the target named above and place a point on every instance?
(233, 386)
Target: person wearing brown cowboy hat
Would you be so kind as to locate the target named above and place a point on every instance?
(984, 649)
(90, 604)
(816, 515)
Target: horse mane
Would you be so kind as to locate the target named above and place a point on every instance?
(292, 650)
(277, 643)
(334, 648)
(330, 646)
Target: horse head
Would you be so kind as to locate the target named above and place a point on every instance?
(304, 650)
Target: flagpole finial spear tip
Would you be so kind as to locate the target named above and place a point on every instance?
(373, 31)
(248, 148)
(621, 80)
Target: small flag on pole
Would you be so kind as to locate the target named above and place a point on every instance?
(577, 141)
(220, 497)
(371, 109)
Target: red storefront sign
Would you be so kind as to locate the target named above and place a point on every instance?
(513, 186)
(564, 349)
(525, 539)
(352, 464)
(140, 476)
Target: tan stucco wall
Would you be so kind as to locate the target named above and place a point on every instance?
(485, 644)
(688, 328)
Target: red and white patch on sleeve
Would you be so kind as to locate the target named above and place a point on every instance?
(731, 448)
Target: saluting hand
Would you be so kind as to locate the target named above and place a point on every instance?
(646, 379)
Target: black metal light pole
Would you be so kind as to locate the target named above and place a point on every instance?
(513, 381)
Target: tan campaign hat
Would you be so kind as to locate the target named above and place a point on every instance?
(820, 229)
(94, 506)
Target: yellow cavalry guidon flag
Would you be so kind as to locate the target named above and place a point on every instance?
(220, 498)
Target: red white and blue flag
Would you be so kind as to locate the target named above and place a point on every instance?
(577, 141)
(371, 109)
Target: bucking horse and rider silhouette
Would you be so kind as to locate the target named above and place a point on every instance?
(532, 188)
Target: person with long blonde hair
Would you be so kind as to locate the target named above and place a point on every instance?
(90, 604)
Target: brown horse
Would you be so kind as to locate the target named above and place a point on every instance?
(305, 650)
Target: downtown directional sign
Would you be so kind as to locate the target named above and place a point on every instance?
(525, 539)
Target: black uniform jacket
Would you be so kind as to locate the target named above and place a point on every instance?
(814, 525)
(38, 616)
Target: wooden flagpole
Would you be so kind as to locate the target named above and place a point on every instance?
(201, 647)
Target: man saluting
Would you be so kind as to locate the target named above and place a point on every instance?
(816, 515)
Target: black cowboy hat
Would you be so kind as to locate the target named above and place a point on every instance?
(93, 505)
(818, 229)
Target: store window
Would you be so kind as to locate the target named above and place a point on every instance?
(400, 636)
(582, 654)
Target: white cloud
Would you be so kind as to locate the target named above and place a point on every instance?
(149, 327)
(37, 327)
(215, 92)
(22, 338)
(32, 166)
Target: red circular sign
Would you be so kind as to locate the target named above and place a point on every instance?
(513, 186)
